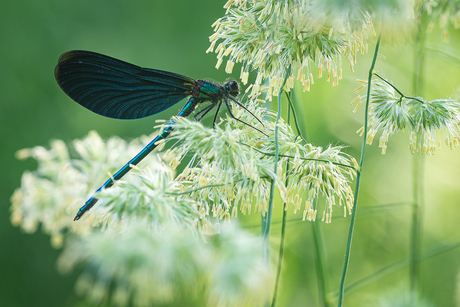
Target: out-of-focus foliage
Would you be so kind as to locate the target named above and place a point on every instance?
(169, 266)
(443, 13)
(52, 194)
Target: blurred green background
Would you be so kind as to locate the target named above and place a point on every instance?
(173, 35)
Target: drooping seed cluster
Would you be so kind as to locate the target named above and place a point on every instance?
(269, 36)
(235, 162)
(428, 122)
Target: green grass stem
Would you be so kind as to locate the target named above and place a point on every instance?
(283, 227)
(358, 181)
(418, 169)
(266, 221)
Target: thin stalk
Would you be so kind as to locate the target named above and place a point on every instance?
(211, 186)
(434, 51)
(295, 104)
(366, 212)
(418, 170)
(358, 181)
(281, 252)
(397, 90)
(317, 238)
(283, 229)
(302, 158)
(266, 221)
(416, 226)
(296, 122)
(319, 257)
(395, 267)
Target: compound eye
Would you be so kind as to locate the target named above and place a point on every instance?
(234, 88)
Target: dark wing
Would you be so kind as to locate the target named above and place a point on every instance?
(117, 89)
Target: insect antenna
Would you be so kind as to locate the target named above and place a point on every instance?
(237, 119)
(241, 105)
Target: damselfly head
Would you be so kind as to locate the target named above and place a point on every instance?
(232, 87)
